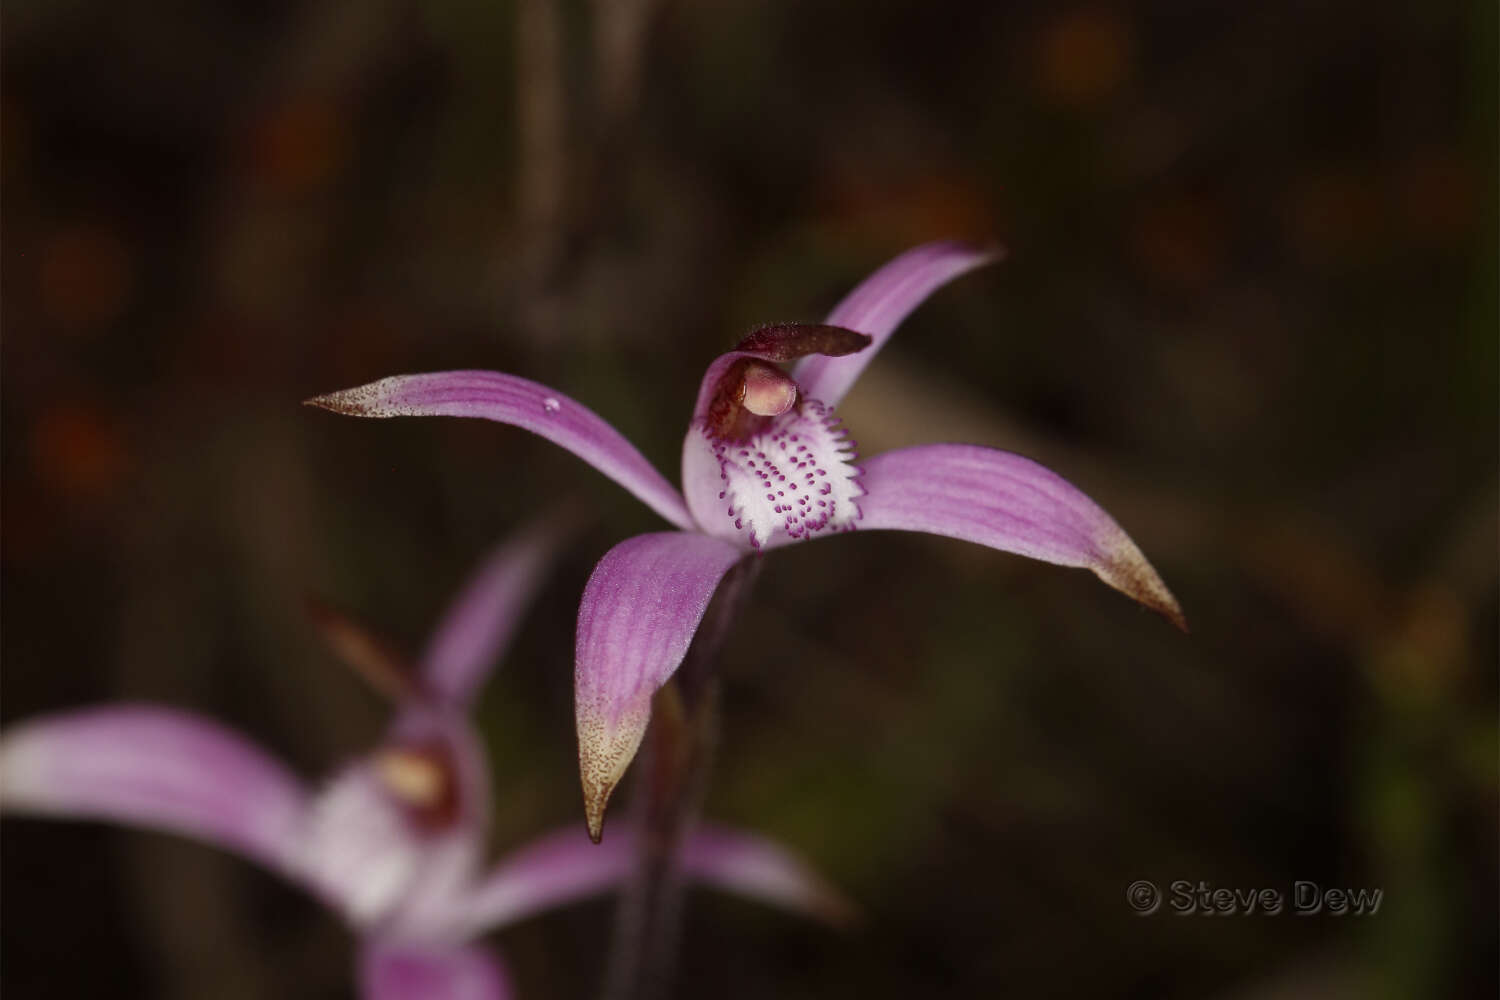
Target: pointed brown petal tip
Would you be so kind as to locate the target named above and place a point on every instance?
(605, 750)
(595, 801)
(336, 402)
(1132, 575)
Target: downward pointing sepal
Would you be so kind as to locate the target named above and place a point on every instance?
(639, 612)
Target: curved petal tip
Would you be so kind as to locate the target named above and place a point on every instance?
(1130, 574)
(354, 402)
(605, 750)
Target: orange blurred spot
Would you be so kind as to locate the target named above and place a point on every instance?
(297, 146)
(77, 452)
(1084, 56)
(363, 336)
(1437, 193)
(1425, 647)
(1333, 215)
(946, 205)
(85, 278)
(1180, 239)
(912, 210)
(1327, 583)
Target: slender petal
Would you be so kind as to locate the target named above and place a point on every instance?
(396, 971)
(1010, 503)
(638, 615)
(480, 622)
(551, 871)
(761, 869)
(564, 866)
(156, 768)
(524, 404)
(879, 304)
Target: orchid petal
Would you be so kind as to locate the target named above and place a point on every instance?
(879, 304)
(564, 866)
(550, 871)
(480, 622)
(639, 612)
(761, 869)
(398, 971)
(1009, 503)
(521, 403)
(156, 768)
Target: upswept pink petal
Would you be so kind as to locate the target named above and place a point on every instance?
(480, 622)
(1010, 503)
(564, 866)
(879, 304)
(391, 970)
(157, 768)
(638, 615)
(521, 403)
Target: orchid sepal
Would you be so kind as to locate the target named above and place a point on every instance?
(637, 618)
(1011, 503)
(522, 403)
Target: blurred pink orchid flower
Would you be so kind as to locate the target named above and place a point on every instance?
(765, 463)
(394, 841)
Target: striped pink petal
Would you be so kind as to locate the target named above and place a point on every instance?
(1009, 503)
(565, 866)
(160, 769)
(639, 612)
(521, 403)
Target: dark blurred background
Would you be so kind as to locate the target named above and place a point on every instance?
(1250, 307)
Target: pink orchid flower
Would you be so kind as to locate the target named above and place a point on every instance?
(394, 841)
(765, 464)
